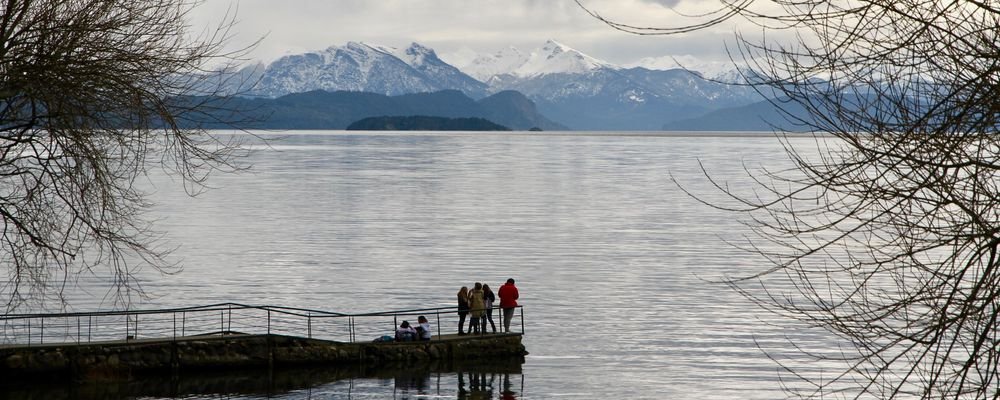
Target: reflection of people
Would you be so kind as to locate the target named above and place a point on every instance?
(478, 306)
(405, 333)
(506, 393)
(482, 385)
(508, 301)
(423, 328)
(479, 388)
(413, 381)
(489, 298)
(463, 308)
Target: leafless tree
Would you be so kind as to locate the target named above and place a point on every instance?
(88, 105)
(888, 235)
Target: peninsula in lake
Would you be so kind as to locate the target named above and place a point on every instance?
(424, 123)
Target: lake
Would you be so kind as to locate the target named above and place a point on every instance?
(617, 267)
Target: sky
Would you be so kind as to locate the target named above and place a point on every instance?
(458, 29)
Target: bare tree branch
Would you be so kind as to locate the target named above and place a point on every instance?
(886, 234)
(87, 107)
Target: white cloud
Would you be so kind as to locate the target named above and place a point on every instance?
(665, 3)
(454, 26)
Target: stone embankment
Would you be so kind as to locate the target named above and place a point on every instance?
(122, 360)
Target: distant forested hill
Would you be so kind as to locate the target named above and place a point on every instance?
(320, 109)
(424, 123)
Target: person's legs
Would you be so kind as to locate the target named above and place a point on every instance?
(474, 324)
(461, 322)
(489, 316)
(508, 314)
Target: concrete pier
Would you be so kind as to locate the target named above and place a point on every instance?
(122, 360)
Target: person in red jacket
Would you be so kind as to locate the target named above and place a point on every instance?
(508, 301)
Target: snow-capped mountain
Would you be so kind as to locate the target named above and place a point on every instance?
(566, 85)
(584, 92)
(723, 71)
(503, 62)
(556, 58)
(364, 68)
(552, 58)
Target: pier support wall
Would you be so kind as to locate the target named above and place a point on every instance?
(122, 360)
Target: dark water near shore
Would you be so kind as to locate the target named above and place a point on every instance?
(615, 264)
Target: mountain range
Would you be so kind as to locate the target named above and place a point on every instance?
(321, 109)
(568, 87)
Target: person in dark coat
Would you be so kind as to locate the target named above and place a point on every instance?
(463, 308)
(490, 298)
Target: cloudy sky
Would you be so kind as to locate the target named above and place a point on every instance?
(458, 28)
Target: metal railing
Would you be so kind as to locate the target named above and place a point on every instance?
(220, 320)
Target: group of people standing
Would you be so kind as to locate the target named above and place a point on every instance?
(479, 303)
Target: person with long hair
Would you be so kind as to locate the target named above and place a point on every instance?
(423, 328)
(463, 308)
(489, 298)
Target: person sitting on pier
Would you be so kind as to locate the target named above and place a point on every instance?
(405, 333)
(423, 328)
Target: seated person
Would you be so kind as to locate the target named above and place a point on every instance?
(405, 333)
(423, 328)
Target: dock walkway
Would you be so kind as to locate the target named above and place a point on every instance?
(109, 345)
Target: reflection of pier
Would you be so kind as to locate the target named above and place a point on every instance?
(111, 345)
(435, 378)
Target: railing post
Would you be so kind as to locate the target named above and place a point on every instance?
(309, 323)
(268, 321)
(229, 325)
(438, 313)
(78, 329)
(41, 334)
(522, 319)
(29, 332)
(183, 323)
(90, 328)
(222, 323)
(174, 315)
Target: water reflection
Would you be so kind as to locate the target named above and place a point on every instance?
(351, 222)
(484, 385)
(458, 380)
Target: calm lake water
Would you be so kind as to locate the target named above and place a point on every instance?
(615, 264)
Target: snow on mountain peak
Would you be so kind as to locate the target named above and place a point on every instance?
(553, 48)
(503, 62)
(416, 48)
(357, 47)
(720, 70)
(415, 55)
(555, 58)
(358, 66)
(552, 58)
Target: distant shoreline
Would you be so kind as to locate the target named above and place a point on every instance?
(715, 134)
